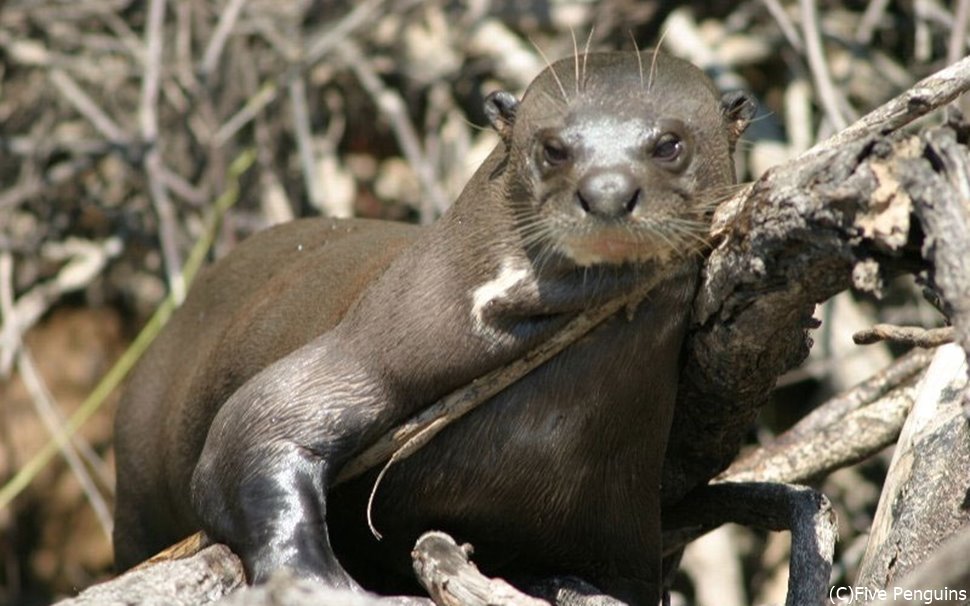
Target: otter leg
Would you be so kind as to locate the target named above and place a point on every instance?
(275, 517)
(271, 454)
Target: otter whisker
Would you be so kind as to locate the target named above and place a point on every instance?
(636, 49)
(552, 70)
(687, 234)
(589, 39)
(653, 59)
(658, 233)
(572, 33)
(696, 235)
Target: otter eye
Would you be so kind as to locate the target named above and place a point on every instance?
(554, 152)
(668, 148)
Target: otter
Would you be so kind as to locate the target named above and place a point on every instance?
(312, 339)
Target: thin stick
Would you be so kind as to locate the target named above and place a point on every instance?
(923, 97)
(148, 120)
(407, 438)
(47, 411)
(86, 106)
(831, 99)
(227, 19)
(391, 104)
(913, 336)
(875, 10)
(9, 331)
(85, 262)
(304, 141)
(958, 36)
(113, 378)
(788, 29)
(957, 44)
(321, 44)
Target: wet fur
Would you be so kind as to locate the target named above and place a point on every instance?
(286, 361)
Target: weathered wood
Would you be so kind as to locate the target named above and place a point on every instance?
(286, 590)
(939, 183)
(200, 579)
(946, 574)
(451, 579)
(924, 497)
(845, 430)
(806, 231)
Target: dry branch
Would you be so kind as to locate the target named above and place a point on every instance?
(913, 336)
(790, 242)
(773, 506)
(450, 578)
(848, 428)
(924, 497)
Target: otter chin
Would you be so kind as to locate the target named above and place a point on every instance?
(311, 340)
(612, 249)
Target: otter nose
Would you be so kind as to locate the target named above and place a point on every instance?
(608, 193)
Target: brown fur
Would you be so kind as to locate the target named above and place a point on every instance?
(286, 361)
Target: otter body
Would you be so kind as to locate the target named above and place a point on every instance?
(311, 340)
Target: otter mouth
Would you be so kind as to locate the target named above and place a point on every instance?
(611, 248)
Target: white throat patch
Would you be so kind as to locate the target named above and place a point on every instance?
(511, 273)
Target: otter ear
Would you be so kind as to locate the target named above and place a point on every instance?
(737, 108)
(500, 108)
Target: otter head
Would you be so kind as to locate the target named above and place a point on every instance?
(616, 157)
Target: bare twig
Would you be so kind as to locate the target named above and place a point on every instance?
(148, 119)
(317, 47)
(958, 44)
(958, 37)
(86, 106)
(227, 19)
(914, 336)
(86, 260)
(47, 411)
(445, 571)
(923, 97)
(855, 437)
(831, 99)
(875, 11)
(403, 441)
(9, 331)
(392, 106)
(304, 141)
(788, 29)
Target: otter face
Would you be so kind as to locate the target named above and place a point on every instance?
(622, 169)
(614, 190)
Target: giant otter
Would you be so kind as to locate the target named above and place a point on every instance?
(313, 338)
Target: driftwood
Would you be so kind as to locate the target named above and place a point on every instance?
(201, 578)
(924, 498)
